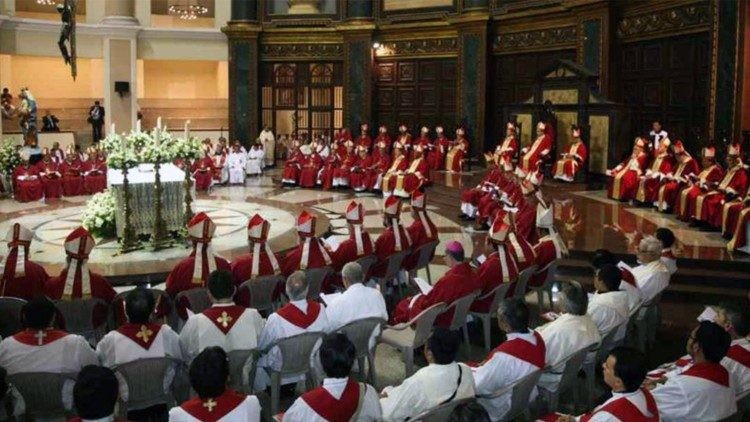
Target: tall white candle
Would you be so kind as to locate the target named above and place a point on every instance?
(112, 128)
(158, 122)
(187, 130)
(138, 126)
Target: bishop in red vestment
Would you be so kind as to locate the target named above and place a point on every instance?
(735, 183)
(310, 252)
(357, 245)
(499, 266)
(414, 177)
(202, 172)
(623, 182)
(72, 175)
(671, 184)
(342, 172)
(661, 166)
(399, 165)
(505, 151)
(533, 155)
(708, 178)
(436, 158)
(421, 231)
(405, 139)
(28, 183)
(21, 277)
(573, 160)
(95, 172)
(381, 163)
(454, 160)
(49, 172)
(364, 139)
(310, 165)
(260, 262)
(358, 173)
(395, 237)
(383, 136)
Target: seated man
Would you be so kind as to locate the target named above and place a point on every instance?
(340, 398)
(710, 175)
(399, 166)
(550, 247)
(666, 237)
(735, 319)
(572, 331)
(661, 166)
(441, 381)
(202, 171)
(573, 160)
(95, 172)
(623, 182)
(623, 372)
(21, 277)
(652, 276)
(533, 155)
(209, 373)
(310, 252)
(224, 324)
(358, 244)
(608, 307)
(72, 170)
(137, 339)
(422, 231)
(454, 159)
(704, 391)
(260, 262)
(459, 281)
(502, 157)
(359, 173)
(41, 348)
(26, 181)
(395, 238)
(730, 215)
(49, 172)
(292, 165)
(522, 353)
(298, 316)
(708, 205)
(628, 285)
(671, 183)
(414, 177)
(499, 267)
(739, 239)
(95, 394)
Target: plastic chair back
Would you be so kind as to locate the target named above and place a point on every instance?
(296, 351)
(359, 333)
(42, 393)
(424, 322)
(442, 413)
(522, 389)
(197, 299)
(242, 369)
(163, 300)
(315, 277)
(426, 252)
(460, 309)
(145, 380)
(261, 291)
(497, 294)
(366, 262)
(79, 316)
(10, 315)
(523, 281)
(395, 264)
(572, 366)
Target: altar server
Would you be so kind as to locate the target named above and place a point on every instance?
(708, 206)
(608, 307)
(209, 373)
(224, 324)
(236, 162)
(261, 261)
(623, 182)
(735, 319)
(298, 316)
(139, 338)
(193, 271)
(441, 381)
(41, 348)
(704, 391)
(255, 157)
(459, 281)
(661, 166)
(573, 160)
(454, 160)
(571, 332)
(95, 172)
(340, 397)
(72, 174)
(27, 182)
(628, 284)
(499, 266)
(49, 172)
(710, 175)
(533, 155)
(267, 145)
(310, 252)
(202, 171)
(395, 237)
(21, 277)
(522, 353)
(422, 231)
(652, 276)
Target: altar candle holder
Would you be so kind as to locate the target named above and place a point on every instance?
(129, 241)
(159, 237)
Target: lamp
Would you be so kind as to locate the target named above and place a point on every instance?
(187, 9)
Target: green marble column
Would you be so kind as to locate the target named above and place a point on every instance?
(476, 4)
(359, 9)
(244, 104)
(358, 62)
(725, 42)
(472, 82)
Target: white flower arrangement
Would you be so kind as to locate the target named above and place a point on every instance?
(99, 216)
(138, 140)
(159, 148)
(9, 157)
(187, 149)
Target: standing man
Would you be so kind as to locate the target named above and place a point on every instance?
(96, 120)
(268, 140)
(656, 135)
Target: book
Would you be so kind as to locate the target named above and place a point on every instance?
(623, 266)
(708, 314)
(423, 285)
(481, 258)
(332, 241)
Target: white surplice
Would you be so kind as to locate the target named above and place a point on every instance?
(254, 161)
(651, 278)
(369, 411)
(634, 296)
(610, 311)
(247, 411)
(236, 162)
(268, 140)
(737, 363)
(357, 302)
(637, 398)
(562, 338)
(427, 388)
(115, 349)
(688, 398)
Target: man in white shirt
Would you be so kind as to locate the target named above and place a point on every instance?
(652, 277)
(666, 237)
(140, 339)
(224, 324)
(624, 372)
(356, 302)
(572, 331)
(627, 281)
(95, 394)
(209, 373)
(522, 353)
(656, 135)
(704, 391)
(298, 316)
(236, 162)
(608, 307)
(736, 320)
(41, 348)
(268, 140)
(441, 381)
(339, 398)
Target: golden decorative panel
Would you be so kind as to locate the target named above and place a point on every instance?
(391, 5)
(525, 122)
(598, 143)
(565, 119)
(560, 96)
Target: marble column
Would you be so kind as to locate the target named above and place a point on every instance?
(359, 9)
(358, 75)
(473, 33)
(594, 41)
(120, 40)
(725, 45)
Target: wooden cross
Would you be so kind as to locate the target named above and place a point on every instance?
(40, 336)
(144, 334)
(210, 404)
(224, 319)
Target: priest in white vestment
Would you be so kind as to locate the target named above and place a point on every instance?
(255, 156)
(268, 140)
(522, 353)
(569, 333)
(608, 307)
(236, 162)
(652, 276)
(443, 380)
(704, 391)
(735, 318)
(627, 280)
(224, 324)
(298, 316)
(41, 348)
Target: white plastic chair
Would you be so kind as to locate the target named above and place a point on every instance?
(522, 281)
(261, 291)
(145, 381)
(295, 360)
(426, 252)
(441, 413)
(10, 315)
(42, 393)
(520, 391)
(315, 277)
(589, 367)
(567, 381)
(497, 294)
(406, 338)
(460, 308)
(242, 367)
(549, 281)
(359, 333)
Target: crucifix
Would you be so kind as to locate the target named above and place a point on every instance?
(224, 319)
(40, 336)
(67, 11)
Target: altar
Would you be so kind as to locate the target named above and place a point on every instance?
(142, 199)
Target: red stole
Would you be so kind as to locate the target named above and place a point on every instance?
(213, 409)
(331, 409)
(523, 350)
(141, 334)
(628, 277)
(295, 315)
(224, 317)
(624, 410)
(740, 355)
(713, 372)
(31, 337)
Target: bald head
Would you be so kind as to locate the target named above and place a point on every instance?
(296, 286)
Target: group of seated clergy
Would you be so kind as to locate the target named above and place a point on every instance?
(54, 177)
(704, 195)
(225, 164)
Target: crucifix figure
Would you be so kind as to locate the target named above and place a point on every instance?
(209, 404)
(40, 336)
(66, 17)
(224, 319)
(144, 334)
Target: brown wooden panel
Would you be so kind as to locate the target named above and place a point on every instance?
(385, 97)
(652, 57)
(406, 97)
(652, 93)
(428, 96)
(429, 71)
(680, 92)
(406, 72)
(448, 69)
(385, 72)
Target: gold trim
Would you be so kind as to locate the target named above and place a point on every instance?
(714, 65)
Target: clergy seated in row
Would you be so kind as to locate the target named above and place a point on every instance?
(236, 163)
(260, 262)
(533, 156)
(735, 319)
(436, 157)
(357, 245)
(623, 182)
(202, 171)
(459, 281)
(702, 391)
(501, 159)
(364, 139)
(298, 316)
(708, 205)
(21, 277)
(408, 178)
(443, 380)
(670, 185)
(454, 160)
(95, 395)
(652, 276)
(404, 138)
(608, 307)
(399, 165)
(499, 267)
(72, 171)
(371, 177)
(192, 272)
(360, 173)
(603, 257)
(137, 339)
(667, 239)
(623, 372)
(292, 165)
(395, 238)
(95, 172)
(49, 172)
(341, 173)
(27, 183)
(522, 353)
(224, 324)
(738, 227)
(421, 231)
(573, 160)
(310, 252)
(254, 165)
(491, 185)
(340, 397)
(573, 330)
(710, 176)
(209, 373)
(661, 166)
(730, 214)
(41, 348)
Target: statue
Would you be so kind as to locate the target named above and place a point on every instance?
(67, 25)
(27, 116)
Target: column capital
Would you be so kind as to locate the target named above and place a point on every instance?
(241, 29)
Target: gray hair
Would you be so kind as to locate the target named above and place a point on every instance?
(651, 247)
(352, 271)
(575, 301)
(296, 286)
